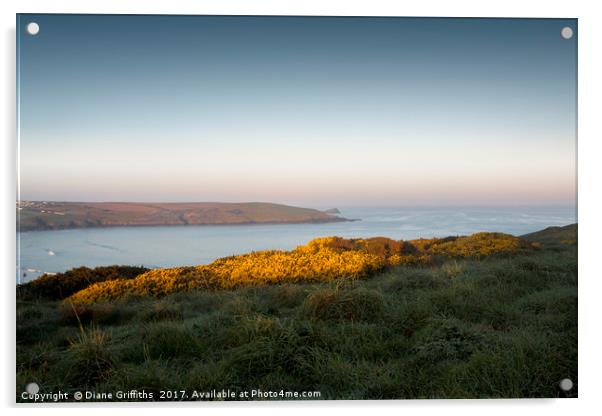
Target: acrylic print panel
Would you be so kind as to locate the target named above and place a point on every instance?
(307, 208)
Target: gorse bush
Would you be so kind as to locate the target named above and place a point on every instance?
(390, 251)
(249, 269)
(321, 260)
(381, 246)
(479, 245)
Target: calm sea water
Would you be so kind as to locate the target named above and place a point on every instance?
(57, 251)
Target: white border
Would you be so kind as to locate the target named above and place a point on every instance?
(590, 287)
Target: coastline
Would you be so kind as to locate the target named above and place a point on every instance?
(99, 226)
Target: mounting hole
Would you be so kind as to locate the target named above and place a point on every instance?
(33, 28)
(566, 32)
(566, 384)
(32, 388)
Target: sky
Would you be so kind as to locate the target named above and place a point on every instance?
(309, 111)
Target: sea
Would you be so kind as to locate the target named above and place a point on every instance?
(56, 251)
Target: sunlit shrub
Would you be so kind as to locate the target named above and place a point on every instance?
(476, 245)
(230, 272)
(321, 260)
(379, 246)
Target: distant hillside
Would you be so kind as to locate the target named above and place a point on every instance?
(568, 233)
(37, 215)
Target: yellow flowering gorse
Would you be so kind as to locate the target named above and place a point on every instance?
(322, 259)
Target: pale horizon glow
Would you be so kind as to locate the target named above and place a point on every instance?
(317, 112)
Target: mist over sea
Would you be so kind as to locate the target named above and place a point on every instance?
(168, 246)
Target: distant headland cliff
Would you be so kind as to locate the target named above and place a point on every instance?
(49, 215)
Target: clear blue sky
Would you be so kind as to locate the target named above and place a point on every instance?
(306, 111)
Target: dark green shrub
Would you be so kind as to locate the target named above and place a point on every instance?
(62, 285)
(446, 339)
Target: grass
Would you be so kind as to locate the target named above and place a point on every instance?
(491, 327)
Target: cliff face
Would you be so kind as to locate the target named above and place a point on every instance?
(61, 215)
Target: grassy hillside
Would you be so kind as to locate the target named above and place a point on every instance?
(59, 215)
(554, 235)
(470, 322)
